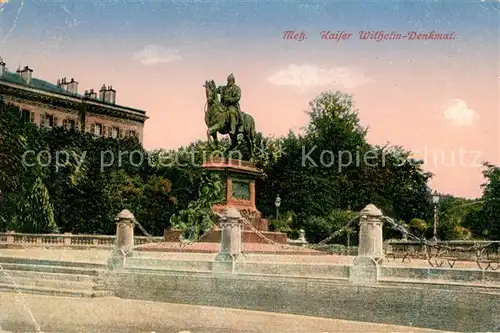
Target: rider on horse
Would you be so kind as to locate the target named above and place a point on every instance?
(230, 99)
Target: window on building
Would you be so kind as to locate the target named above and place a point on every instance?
(69, 124)
(28, 116)
(132, 133)
(48, 120)
(114, 132)
(96, 129)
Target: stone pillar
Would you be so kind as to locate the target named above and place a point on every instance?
(124, 242)
(370, 248)
(230, 222)
(371, 243)
(67, 239)
(125, 222)
(302, 237)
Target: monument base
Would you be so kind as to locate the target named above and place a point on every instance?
(238, 179)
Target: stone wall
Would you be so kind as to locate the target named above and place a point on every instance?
(440, 274)
(436, 306)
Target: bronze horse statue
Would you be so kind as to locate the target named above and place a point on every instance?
(218, 120)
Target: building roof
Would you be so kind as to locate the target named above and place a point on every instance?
(46, 86)
(35, 84)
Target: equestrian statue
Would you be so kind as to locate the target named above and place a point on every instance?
(225, 116)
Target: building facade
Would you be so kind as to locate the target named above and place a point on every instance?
(53, 105)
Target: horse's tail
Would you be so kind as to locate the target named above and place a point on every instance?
(249, 125)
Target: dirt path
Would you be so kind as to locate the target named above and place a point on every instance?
(68, 315)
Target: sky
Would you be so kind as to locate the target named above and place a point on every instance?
(437, 98)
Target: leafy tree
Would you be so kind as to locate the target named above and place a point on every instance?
(318, 228)
(12, 146)
(332, 167)
(452, 217)
(490, 212)
(284, 224)
(418, 227)
(37, 213)
(157, 204)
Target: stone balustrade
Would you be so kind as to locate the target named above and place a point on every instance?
(12, 239)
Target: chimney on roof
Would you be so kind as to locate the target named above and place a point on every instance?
(92, 94)
(2, 67)
(73, 86)
(110, 95)
(26, 74)
(62, 84)
(102, 93)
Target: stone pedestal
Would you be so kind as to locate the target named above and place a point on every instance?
(239, 179)
(370, 248)
(124, 242)
(230, 244)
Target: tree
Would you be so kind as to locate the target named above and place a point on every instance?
(37, 212)
(310, 175)
(332, 167)
(490, 212)
(318, 228)
(12, 146)
(452, 217)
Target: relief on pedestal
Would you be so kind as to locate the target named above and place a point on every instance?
(240, 190)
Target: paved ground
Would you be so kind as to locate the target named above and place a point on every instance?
(101, 256)
(60, 314)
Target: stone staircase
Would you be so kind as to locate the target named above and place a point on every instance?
(50, 277)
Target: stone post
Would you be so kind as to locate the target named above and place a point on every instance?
(10, 237)
(230, 222)
(125, 222)
(67, 239)
(370, 233)
(302, 237)
(124, 242)
(370, 248)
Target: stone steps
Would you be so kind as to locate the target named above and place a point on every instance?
(15, 274)
(59, 283)
(48, 269)
(45, 262)
(53, 291)
(51, 277)
(442, 284)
